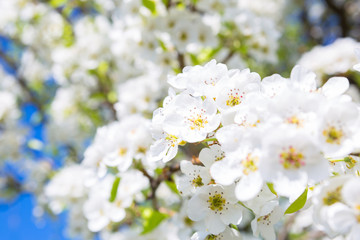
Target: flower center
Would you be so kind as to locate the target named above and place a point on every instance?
(171, 139)
(249, 164)
(118, 203)
(333, 196)
(234, 98)
(211, 81)
(350, 162)
(220, 157)
(294, 120)
(233, 101)
(217, 202)
(197, 122)
(188, 222)
(291, 159)
(265, 219)
(183, 36)
(197, 182)
(122, 151)
(214, 237)
(358, 218)
(333, 135)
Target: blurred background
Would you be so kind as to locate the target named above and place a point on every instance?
(68, 67)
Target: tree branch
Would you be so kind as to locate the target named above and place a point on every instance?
(166, 175)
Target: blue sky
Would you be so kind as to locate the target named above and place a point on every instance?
(17, 222)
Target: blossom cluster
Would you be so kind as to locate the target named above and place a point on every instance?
(254, 142)
(279, 131)
(221, 154)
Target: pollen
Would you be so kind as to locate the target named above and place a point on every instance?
(250, 164)
(214, 237)
(333, 197)
(358, 218)
(197, 182)
(233, 101)
(217, 202)
(188, 222)
(265, 219)
(333, 135)
(118, 203)
(122, 151)
(171, 139)
(197, 121)
(234, 98)
(211, 81)
(291, 159)
(357, 207)
(220, 157)
(294, 120)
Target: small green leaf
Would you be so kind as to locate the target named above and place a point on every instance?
(165, 2)
(158, 171)
(57, 3)
(152, 219)
(68, 36)
(114, 189)
(271, 188)
(150, 4)
(298, 203)
(194, 59)
(112, 97)
(102, 68)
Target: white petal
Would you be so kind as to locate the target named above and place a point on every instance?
(267, 232)
(233, 215)
(213, 224)
(248, 186)
(97, 224)
(341, 218)
(117, 214)
(351, 192)
(335, 86)
(197, 208)
(223, 173)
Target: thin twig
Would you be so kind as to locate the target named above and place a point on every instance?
(228, 57)
(155, 182)
(181, 60)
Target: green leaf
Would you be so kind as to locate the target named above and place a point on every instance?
(158, 171)
(102, 68)
(150, 4)
(57, 3)
(271, 188)
(152, 219)
(112, 97)
(68, 36)
(172, 187)
(298, 203)
(114, 189)
(194, 59)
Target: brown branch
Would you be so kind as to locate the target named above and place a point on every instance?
(155, 182)
(181, 60)
(228, 56)
(107, 103)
